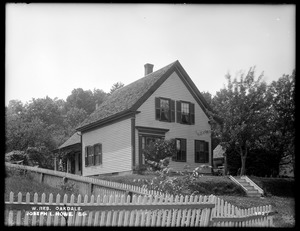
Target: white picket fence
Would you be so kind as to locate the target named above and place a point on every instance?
(130, 199)
(112, 211)
(131, 211)
(224, 214)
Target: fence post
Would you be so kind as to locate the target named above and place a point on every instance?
(41, 177)
(90, 189)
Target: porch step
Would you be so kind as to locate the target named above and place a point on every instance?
(249, 189)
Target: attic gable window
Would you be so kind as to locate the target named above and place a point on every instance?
(185, 112)
(165, 109)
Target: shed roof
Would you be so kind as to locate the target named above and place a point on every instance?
(218, 152)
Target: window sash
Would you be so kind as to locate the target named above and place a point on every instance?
(185, 112)
(201, 151)
(181, 150)
(98, 154)
(165, 109)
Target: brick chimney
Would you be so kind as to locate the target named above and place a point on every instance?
(148, 68)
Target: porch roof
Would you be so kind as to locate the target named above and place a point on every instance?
(73, 140)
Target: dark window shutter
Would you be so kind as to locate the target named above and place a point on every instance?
(172, 110)
(192, 113)
(178, 110)
(157, 108)
(197, 151)
(206, 151)
(183, 149)
(86, 156)
(100, 158)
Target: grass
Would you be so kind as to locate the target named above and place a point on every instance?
(14, 182)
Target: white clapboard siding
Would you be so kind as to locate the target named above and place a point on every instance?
(116, 148)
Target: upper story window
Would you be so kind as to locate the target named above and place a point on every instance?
(165, 109)
(93, 155)
(185, 112)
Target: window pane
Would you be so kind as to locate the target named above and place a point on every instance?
(178, 145)
(165, 109)
(185, 112)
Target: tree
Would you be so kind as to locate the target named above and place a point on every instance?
(46, 109)
(82, 100)
(74, 117)
(282, 122)
(115, 87)
(99, 96)
(242, 107)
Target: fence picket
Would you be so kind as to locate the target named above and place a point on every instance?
(35, 200)
(105, 200)
(64, 218)
(143, 215)
(89, 222)
(77, 217)
(148, 212)
(108, 213)
(18, 221)
(96, 213)
(115, 213)
(26, 218)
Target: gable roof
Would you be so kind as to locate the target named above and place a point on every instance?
(127, 99)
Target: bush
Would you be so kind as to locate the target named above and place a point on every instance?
(157, 153)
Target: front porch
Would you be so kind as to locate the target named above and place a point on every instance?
(68, 157)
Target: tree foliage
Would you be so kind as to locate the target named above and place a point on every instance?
(115, 87)
(257, 122)
(43, 124)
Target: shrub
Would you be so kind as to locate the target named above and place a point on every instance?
(157, 153)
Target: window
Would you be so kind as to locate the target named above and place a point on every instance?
(185, 112)
(98, 154)
(201, 151)
(93, 155)
(181, 150)
(165, 109)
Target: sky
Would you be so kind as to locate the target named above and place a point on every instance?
(51, 49)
